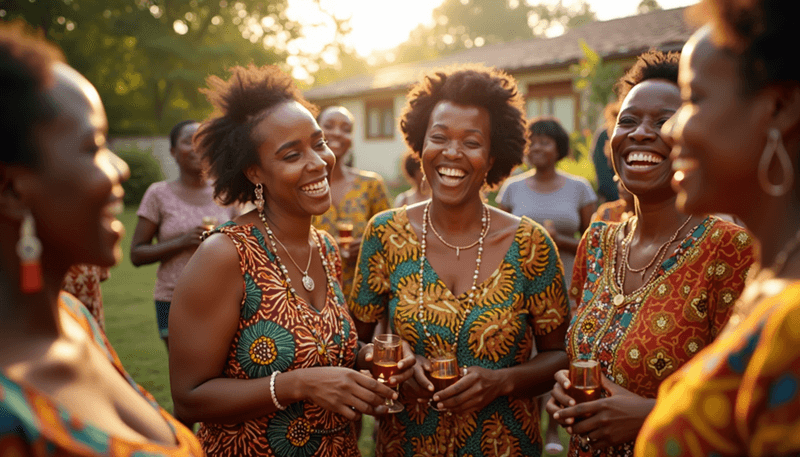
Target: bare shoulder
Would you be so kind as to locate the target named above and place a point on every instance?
(503, 224)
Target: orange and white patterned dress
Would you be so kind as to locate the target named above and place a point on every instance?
(641, 342)
(273, 335)
(33, 425)
(524, 296)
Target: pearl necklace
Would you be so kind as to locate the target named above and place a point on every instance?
(486, 222)
(619, 299)
(322, 348)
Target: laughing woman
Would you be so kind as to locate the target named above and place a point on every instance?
(455, 277)
(651, 291)
(737, 137)
(262, 350)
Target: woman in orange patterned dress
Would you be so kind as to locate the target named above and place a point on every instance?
(737, 144)
(262, 347)
(63, 390)
(452, 275)
(652, 291)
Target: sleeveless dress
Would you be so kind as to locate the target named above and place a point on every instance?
(273, 335)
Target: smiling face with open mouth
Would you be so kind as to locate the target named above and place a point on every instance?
(639, 150)
(455, 154)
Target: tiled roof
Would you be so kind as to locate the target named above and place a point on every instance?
(628, 36)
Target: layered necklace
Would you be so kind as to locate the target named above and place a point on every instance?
(620, 272)
(322, 346)
(486, 223)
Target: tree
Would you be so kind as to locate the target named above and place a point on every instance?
(646, 6)
(148, 58)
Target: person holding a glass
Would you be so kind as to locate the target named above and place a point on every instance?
(652, 291)
(469, 287)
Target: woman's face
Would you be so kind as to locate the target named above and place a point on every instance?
(337, 126)
(294, 161)
(718, 133)
(183, 152)
(640, 153)
(542, 152)
(455, 153)
(77, 191)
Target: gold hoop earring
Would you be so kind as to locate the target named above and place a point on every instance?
(775, 148)
(260, 197)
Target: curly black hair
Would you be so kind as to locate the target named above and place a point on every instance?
(758, 32)
(225, 140)
(26, 73)
(473, 85)
(652, 64)
(411, 164)
(550, 127)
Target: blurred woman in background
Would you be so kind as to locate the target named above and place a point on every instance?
(63, 390)
(175, 214)
(419, 190)
(737, 151)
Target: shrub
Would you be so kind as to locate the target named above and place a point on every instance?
(145, 170)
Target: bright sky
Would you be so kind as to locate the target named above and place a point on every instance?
(383, 24)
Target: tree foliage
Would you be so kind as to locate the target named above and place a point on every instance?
(148, 58)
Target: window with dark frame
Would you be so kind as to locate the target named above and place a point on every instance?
(555, 99)
(379, 119)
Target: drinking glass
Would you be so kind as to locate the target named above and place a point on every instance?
(345, 230)
(209, 222)
(387, 351)
(444, 373)
(584, 379)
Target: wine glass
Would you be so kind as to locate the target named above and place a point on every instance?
(387, 351)
(444, 373)
(345, 230)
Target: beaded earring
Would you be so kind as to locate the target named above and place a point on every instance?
(29, 250)
(260, 197)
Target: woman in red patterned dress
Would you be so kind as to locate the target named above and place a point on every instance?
(262, 347)
(651, 291)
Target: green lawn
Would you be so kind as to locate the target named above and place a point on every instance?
(131, 328)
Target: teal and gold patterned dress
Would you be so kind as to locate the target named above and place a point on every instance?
(273, 335)
(524, 296)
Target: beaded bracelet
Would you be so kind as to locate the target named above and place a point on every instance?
(272, 391)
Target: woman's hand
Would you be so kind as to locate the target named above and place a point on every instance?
(419, 386)
(404, 366)
(476, 389)
(559, 399)
(193, 237)
(608, 421)
(351, 250)
(346, 392)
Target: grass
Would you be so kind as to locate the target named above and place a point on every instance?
(132, 330)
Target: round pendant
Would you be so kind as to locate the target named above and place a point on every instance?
(619, 299)
(308, 283)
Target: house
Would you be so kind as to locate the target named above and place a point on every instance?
(540, 65)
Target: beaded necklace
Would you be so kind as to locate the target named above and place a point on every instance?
(486, 223)
(322, 347)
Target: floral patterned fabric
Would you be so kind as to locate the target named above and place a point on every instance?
(32, 424)
(367, 197)
(524, 296)
(83, 281)
(641, 342)
(739, 396)
(273, 335)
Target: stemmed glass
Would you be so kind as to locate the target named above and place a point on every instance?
(345, 229)
(387, 351)
(444, 373)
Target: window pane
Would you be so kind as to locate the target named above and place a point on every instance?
(388, 122)
(374, 116)
(533, 107)
(564, 111)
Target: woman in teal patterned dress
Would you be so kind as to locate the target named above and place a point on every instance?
(262, 348)
(453, 275)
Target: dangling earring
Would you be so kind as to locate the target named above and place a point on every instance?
(775, 147)
(29, 249)
(260, 198)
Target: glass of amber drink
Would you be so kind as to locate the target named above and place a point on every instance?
(444, 373)
(584, 379)
(345, 230)
(387, 351)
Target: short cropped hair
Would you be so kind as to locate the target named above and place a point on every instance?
(225, 140)
(176, 131)
(411, 164)
(472, 85)
(550, 127)
(26, 73)
(652, 64)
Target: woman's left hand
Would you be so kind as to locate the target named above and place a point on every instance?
(476, 389)
(613, 420)
(405, 367)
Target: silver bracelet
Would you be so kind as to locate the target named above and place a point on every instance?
(272, 391)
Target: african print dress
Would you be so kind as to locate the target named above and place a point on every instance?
(740, 396)
(33, 424)
(642, 341)
(523, 296)
(274, 335)
(367, 197)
